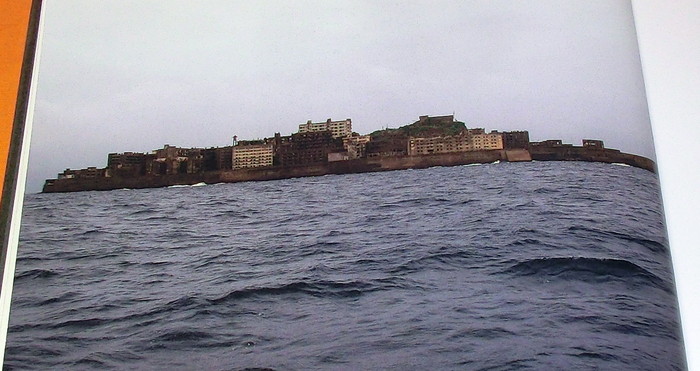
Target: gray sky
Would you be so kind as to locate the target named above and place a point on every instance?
(125, 75)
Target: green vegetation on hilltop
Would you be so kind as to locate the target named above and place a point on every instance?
(421, 129)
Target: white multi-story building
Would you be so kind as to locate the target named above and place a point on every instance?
(472, 140)
(339, 129)
(442, 144)
(492, 140)
(252, 155)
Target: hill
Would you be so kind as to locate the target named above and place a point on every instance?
(425, 127)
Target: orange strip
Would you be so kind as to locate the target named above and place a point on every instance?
(14, 22)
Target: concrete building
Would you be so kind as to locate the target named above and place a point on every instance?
(217, 158)
(441, 144)
(171, 160)
(593, 143)
(469, 140)
(386, 147)
(224, 158)
(484, 141)
(356, 145)
(516, 139)
(549, 143)
(435, 120)
(89, 173)
(126, 159)
(252, 154)
(306, 148)
(126, 164)
(339, 129)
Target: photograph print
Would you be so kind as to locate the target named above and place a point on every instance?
(342, 185)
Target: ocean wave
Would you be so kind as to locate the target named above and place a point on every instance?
(546, 190)
(159, 218)
(109, 360)
(82, 323)
(91, 362)
(529, 242)
(596, 355)
(483, 333)
(411, 269)
(38, 351)
(147, 210)
(441, 260)
(585, 269)
(90, 234)
(182, 335)
(318, 289)
(36, 273)
(652, 245)
(60, 299)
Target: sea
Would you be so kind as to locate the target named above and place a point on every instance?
(503, 266)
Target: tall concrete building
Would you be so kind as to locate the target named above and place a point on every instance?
(338, 129)
(126, 164)
(356, 145)
(251, 154)
(487, 141)
(469, 140)
(516, 139)
(174, 160)
(441, 144)
(306, 148)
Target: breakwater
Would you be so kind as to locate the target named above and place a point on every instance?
(362, 165)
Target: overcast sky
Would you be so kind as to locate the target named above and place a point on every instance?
(123, 75)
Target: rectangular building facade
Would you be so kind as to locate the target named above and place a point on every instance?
(490, 141)
(471, 140)
(126, 164)
(516, 140)
(89, 173)
(252, 155)
(356, 146)
(386, 147)
(593, 143)
(441, 144)
(217, 158)
(435, 120)
(548, 143)
(171, 160)
(224, 158)
(339, 129)
(305, 148)
(126, 159)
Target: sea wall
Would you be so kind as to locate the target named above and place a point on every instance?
(564, 153)
(570, 153)
(518, 155)
(362, 166)
(110, 183)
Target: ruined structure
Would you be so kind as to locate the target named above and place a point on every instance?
(318, 150)
(338, 129)
(253, 153)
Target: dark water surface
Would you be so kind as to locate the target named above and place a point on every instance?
(543, 265)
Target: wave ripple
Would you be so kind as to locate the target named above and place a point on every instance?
(539, 265)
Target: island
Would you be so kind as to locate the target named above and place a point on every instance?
(331, 147)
